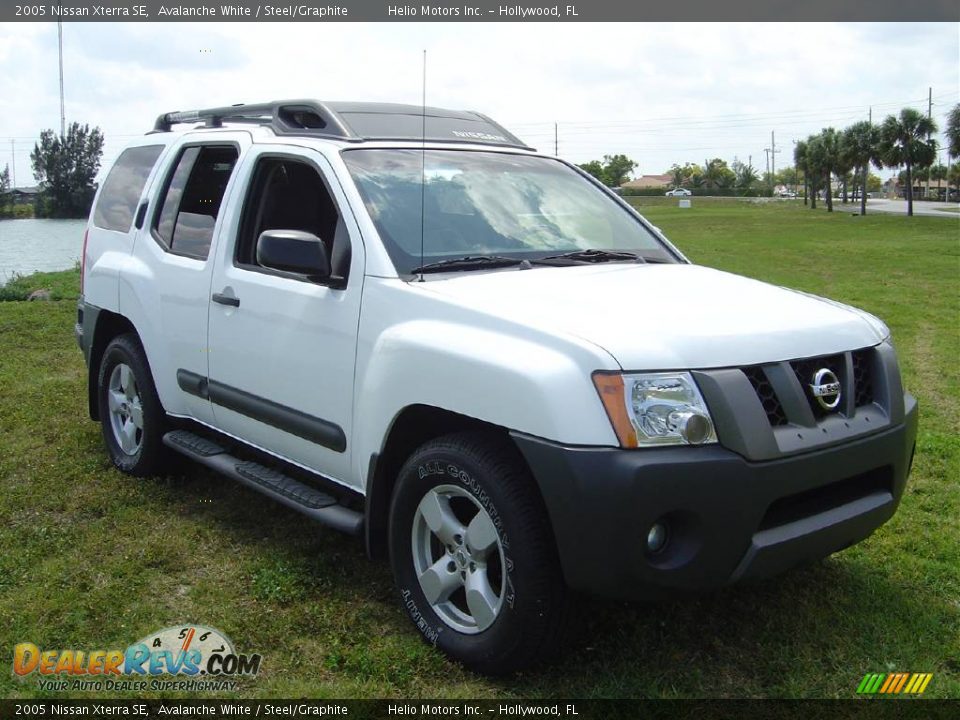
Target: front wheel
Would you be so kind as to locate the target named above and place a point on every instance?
(131, 416)
(473, 554)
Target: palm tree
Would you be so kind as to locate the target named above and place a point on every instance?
(905, 140)
(800, 160)
(953, 131)
(813, 162)
(939, 173)
(830, 161)
(860, 144)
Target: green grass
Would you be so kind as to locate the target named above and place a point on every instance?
(61, 285)
(92, 559)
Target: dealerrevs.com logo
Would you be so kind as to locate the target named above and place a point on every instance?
(201, 658)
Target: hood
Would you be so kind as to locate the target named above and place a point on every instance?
(667, 317)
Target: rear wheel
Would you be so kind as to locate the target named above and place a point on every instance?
(132, 419)
(473, 555)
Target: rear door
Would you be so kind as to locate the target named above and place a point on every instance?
(169, 288)
(283, 347)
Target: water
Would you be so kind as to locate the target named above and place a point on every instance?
(32, 245)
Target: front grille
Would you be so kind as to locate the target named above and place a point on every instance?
(861, 384)
(863, 377)
(805, 369)
(769, 399)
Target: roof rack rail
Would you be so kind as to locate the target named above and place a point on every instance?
(353, 122)
(285, 116)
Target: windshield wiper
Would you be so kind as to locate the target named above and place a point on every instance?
(468, 262)
(597, 256)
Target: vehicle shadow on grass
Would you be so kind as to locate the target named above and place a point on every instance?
(813, 632)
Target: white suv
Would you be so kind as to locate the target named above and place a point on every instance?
(406, 324)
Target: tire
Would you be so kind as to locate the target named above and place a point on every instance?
(134, 425)
(466, 516)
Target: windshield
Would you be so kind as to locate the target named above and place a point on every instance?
(484, 203)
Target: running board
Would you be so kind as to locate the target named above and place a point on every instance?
(303, 498)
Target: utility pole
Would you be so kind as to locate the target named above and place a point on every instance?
(556, 141)
(926, 193)
(63, 117)
(773, 161)
(13, 164)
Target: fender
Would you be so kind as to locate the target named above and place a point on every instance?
(494, 377)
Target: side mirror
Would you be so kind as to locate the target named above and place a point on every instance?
(293, 251)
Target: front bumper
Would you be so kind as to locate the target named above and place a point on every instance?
(729, 518)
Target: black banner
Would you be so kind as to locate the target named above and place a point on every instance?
(482, 11)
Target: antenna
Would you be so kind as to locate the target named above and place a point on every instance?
(423, 158)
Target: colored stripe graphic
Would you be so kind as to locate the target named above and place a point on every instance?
(894, 683)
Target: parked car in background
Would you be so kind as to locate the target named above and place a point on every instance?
(678, 192)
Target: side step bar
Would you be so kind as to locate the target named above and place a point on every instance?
(284, 489)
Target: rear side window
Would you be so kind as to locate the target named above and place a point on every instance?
(122, 189)
(191, 202)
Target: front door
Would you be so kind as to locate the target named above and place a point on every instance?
(282, 347)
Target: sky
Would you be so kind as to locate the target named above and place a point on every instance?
(660, 93)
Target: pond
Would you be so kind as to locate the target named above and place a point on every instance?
(32, 245)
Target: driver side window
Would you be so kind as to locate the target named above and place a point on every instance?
(290, 194)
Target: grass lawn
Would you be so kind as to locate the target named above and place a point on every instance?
(94, 560)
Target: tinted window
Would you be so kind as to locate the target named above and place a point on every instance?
(285, 195)
(192, 200)
(123, 187)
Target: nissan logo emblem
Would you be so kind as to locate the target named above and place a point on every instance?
(826, 389)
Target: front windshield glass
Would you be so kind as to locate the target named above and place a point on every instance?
(484, 203)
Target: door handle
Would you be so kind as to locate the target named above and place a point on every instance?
(225, 299)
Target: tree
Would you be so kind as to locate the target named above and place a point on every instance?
(716, 174)
(745, 175)
(595, 168)
(65, 167)
(816, 162)
(939, 173)
(953, 131)
(953, 176)
(905, 140)
(861, 143)
(828, 161)
(800, 160)
(614, 171)
(618, 169)
(4, 189)
(682, 175)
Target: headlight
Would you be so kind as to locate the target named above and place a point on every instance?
(655, 409)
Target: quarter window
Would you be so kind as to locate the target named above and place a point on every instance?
(191, 203)
(122, 188)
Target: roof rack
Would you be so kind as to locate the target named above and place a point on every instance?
(354, 122)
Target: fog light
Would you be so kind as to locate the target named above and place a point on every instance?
(656, 537)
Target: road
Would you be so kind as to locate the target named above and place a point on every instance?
(899, 207)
